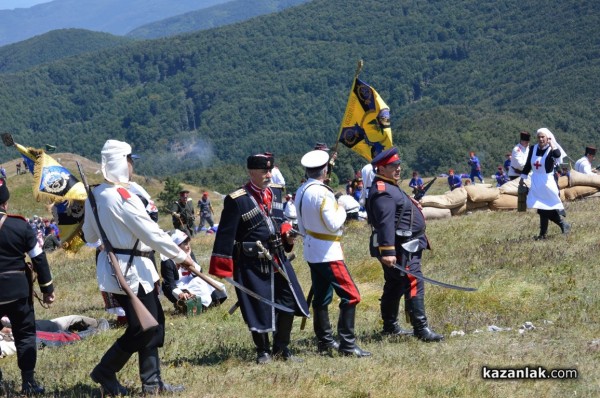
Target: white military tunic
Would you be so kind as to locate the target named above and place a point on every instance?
(320, 219)
(124, 220)
(584, 166)
(518, 160)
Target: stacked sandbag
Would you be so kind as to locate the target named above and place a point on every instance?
(587, 180)
(449, 200)
(504, 202)
(434, 213)
(482, 193)
(579, 192)
(511, 187)
(471, 206)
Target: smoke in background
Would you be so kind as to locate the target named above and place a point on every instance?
(187, 153)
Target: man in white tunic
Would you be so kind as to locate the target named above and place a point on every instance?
(134, 235)
(584, 165)
(519, 156)
(544, 194)
(320, 220)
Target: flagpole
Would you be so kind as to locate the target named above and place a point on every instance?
(356, 73)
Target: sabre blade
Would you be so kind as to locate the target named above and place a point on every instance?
(258, 296)
(433, 281)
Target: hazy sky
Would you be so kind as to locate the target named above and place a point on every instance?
(10, 4)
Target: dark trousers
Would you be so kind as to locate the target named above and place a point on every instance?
(398, 283)
(134, 339)
(327, 277)
(22, 319)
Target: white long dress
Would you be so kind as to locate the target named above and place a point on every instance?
(543, 193)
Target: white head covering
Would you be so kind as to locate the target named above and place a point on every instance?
(178, 236)
(314, 159)
(549, 134)
(114, 161)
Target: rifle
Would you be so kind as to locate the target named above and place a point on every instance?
(206, 279)
(146, 319)
(419, 195)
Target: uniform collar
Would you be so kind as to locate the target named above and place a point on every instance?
(390, 180)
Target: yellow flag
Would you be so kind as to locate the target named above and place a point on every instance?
(366, 124)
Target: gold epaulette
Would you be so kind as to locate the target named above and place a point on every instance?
(238, 193)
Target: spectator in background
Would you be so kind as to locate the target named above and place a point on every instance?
(584, 165)
(507, 162)
(454, 181)
(519, 155)
(501, 177)
(206, 211)
(367, 176)
(475, 167)
(416, 183)
(2, 172)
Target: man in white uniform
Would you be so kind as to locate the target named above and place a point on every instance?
(134, 235)
(519, 156)
(584, 165)
(320, 220)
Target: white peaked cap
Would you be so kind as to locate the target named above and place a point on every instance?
(314, 159)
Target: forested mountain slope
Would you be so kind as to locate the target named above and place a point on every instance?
(457, 75)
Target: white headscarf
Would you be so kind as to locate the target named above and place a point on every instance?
(114, 161)
(549, 134)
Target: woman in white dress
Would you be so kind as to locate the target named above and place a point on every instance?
(544, 194)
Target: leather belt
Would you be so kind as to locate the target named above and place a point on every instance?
(331, 238)
(136, 253)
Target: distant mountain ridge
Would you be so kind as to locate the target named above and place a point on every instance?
(457, 77)
(112, 16)
(211, 17)
(54, 45)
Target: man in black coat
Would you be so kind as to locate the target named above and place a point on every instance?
(16, 240)
(250, 214)
(398, 238)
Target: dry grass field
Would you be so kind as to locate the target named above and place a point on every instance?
(553, 284)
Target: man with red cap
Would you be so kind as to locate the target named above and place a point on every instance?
(398, 238)
(16, 239)
(320, 220)
(584, 165)
(519, 155)
(205, 210)
(475, 167)
(454, 181)
(254, 213)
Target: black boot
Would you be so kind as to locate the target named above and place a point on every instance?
(543, 228)
(322, 327)
(416, 311)
(30, 386)
(345, 327)
(152, 384)
(565, 227)
(261, 341)
(281, 337)
(105, 373)
(389, 314)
